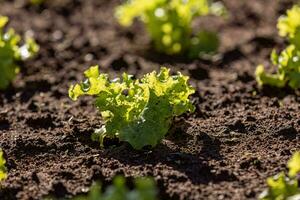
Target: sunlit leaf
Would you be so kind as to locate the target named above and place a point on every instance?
(11, 53)
(136, 111)
(169, 23)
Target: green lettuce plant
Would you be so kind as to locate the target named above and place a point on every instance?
(282, 186)
(288, 61)
(289, 26)
(11, 53)
(144, 190)
(37, 2)
(140, 111)
(3, 170)
(169, 24)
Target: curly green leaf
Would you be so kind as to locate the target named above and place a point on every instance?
(3, 170)
(136, 111)
(11, 53)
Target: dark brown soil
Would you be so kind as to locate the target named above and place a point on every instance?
(238, 136)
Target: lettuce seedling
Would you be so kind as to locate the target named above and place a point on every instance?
(289, 26)
(37, 2)
(139, 111)
(3, 170)
(282, 187)
(288, 72)
(11, 53)
(144, 190)
(169, 23)
(288, 61)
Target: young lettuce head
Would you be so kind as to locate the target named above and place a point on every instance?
(3, 170)
(144, 189)
(288, 61)
(169, 23)
(288, 72)
(140, 111)
(282, 187)
(289, 26)
(11, 53)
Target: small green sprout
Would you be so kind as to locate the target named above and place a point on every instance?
(37, 2)
(288, 61)
(289, 26)
(3, 170)
(169, 23)
(282, 187)
(140, 111)
(144, 190)
(288, 73)
(11, 53)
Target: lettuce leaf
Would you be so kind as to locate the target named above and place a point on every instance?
(289, 25)
(282, 187)
(294, 165)
(11, 53)
(288, 61)
(144, 189)
(140, 111)
(288, 72)
(3, 170)
(169, 23)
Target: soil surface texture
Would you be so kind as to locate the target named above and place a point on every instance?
(238, 136)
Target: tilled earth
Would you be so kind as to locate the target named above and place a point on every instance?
(238, 136)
